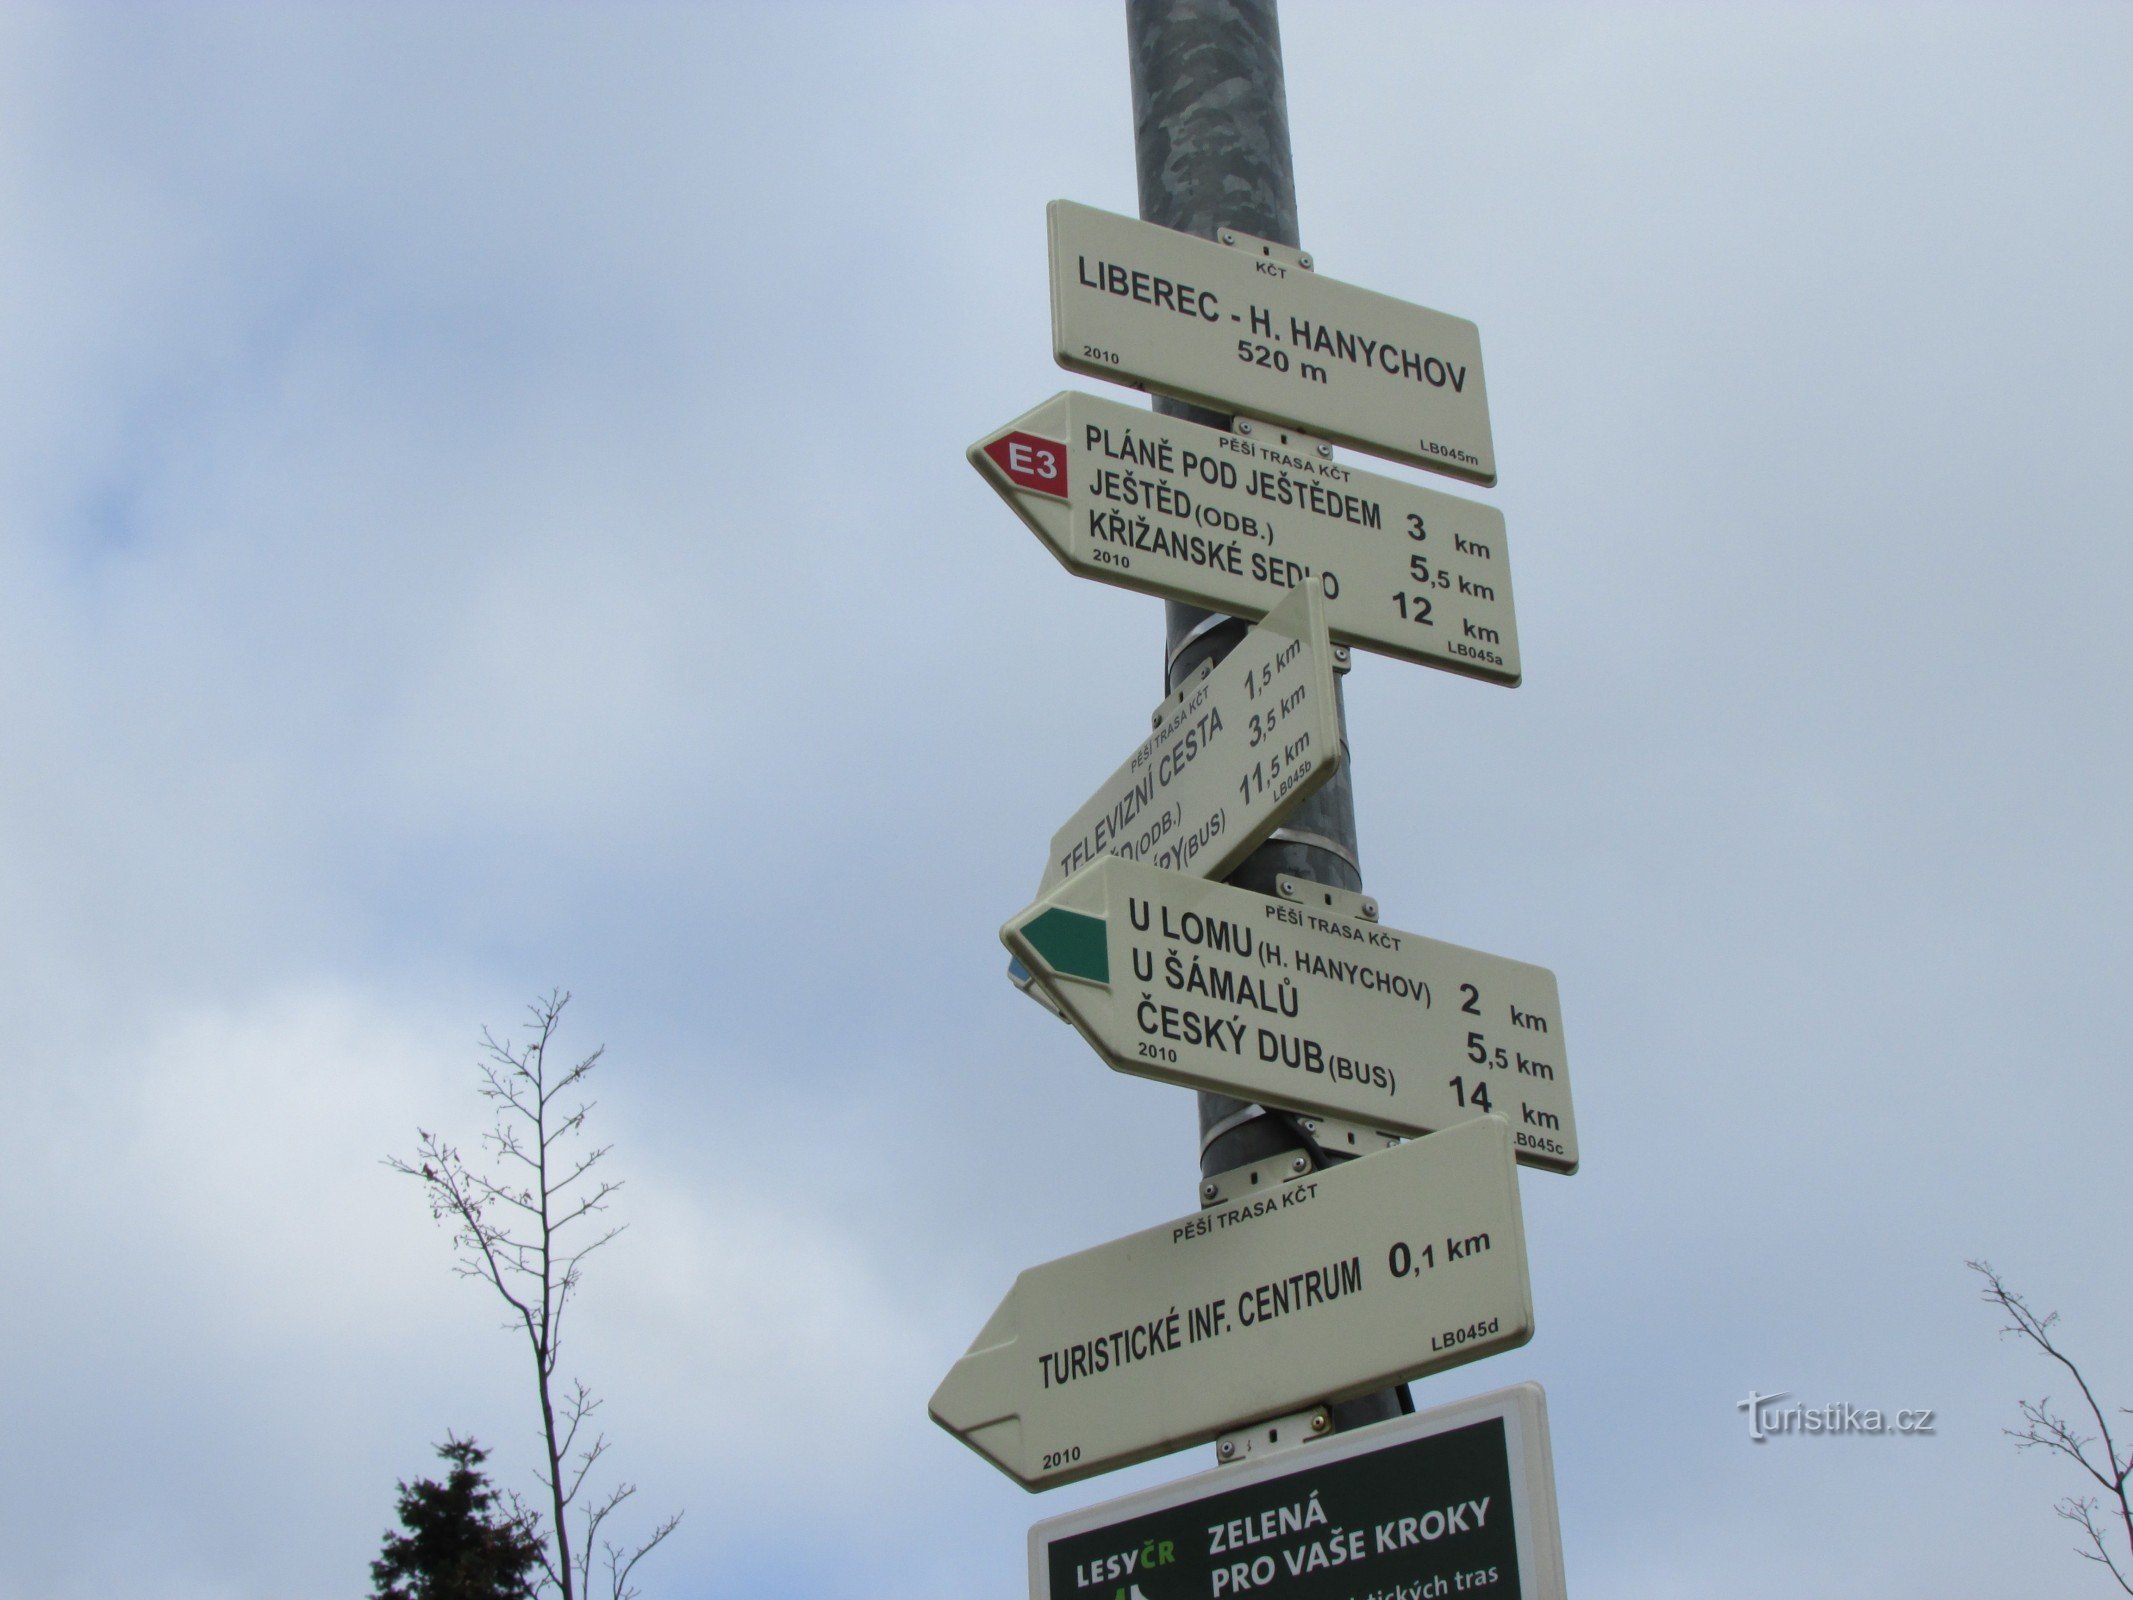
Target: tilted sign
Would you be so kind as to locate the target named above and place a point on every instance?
(1455, 1500)
(1233, 752)
(1331, 1285)
(1234, 523)
(1240, 330)
(1212, 987)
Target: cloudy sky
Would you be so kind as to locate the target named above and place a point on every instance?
(482, 508)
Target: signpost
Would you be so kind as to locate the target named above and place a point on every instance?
(1335, 1284)
(1233, 752)
(1201, 984)
(1234, 522)
(1312, 1284)
(1457, 1499)
(1250, 328)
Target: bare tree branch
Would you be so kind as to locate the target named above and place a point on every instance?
(537, 1274)
(619, 1567)
(2046, 1430)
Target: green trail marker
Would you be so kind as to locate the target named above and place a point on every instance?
(1070, 942)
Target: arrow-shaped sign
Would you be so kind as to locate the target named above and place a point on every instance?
(1234, 522)
(1334, 1284)
(1212, 987)
(1233, 752)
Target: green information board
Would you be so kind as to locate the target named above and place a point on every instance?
(1456, 1501)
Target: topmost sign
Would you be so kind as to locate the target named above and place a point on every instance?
(1247, 328)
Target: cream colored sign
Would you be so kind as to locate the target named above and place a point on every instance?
(1211, 987)
(1233, 752)
(1234, 523)
(1246, 328)
(1332, 1285)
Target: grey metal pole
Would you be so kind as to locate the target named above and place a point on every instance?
(1211, 142)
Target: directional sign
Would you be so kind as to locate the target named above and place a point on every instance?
(1211, 987)
(1233, 752)
(1337, 1283)
(1456, 1499)
(1248, 328)
(1233, 523)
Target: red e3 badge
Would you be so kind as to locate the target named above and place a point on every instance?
(1031, 463)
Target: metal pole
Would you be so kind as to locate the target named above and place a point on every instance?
(1211, 142)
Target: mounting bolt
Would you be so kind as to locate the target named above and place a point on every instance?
(1300, 1165)
(1325, 452)
(1243, 426)
(1320, 1422)
(1208, 1191)
(1370, 909)
(1226, 1449)
(1228, 238)
(1310, 1125)
(1304, 262)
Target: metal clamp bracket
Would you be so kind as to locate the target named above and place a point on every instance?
(1177, 696)
(1272, 250)
(1257, 1177)
(1236, 1119)
(1205, 626)
(1025, 980)
(1280, 436)
(1343, 657)
(1348, 902)
(1338, 1138)
(1276, 1433)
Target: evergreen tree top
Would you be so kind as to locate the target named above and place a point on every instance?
(461, 1543)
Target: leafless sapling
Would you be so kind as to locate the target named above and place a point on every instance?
(525, 1216)
(2044, 1429)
